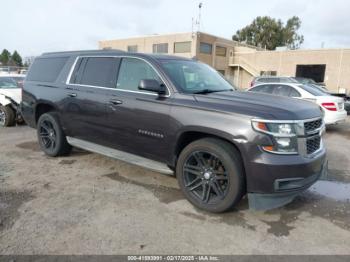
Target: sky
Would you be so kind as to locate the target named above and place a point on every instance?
(37, 26)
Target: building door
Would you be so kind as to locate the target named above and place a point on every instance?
(315, 72)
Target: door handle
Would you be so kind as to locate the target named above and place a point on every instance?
(116, 102)
(72, 95)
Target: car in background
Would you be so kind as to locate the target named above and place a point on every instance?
(10, 99)
(272, 79)
(347, 106)
(19, 79)
(23, 71)
(332, 106)
(326, 91)
(308, 81)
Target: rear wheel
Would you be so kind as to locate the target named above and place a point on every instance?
(51, 137)
(210, 174)
(7, 116)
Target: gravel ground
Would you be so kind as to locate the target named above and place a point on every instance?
(90, 204)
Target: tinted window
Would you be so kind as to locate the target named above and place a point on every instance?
(205, 48)
(100, 71)
(281, 90)
(132, 71)
(263, 89)
(294, 93)
(46, 69)
(312, 90)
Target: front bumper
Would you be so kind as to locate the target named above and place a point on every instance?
(274, 180)
(293, 188)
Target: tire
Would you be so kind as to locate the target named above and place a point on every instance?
(7, 116)
(52, 139)
(210, 174)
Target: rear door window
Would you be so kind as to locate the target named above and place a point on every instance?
(263, 89)
(294, 93)
(281, 90)
(46, 69)
(99, 71)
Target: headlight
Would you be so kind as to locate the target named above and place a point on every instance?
(283, 136)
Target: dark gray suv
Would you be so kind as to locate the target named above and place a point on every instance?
(173, 114)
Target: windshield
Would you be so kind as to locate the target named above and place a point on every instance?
(7, 83)
(193, 77)
(312, 89)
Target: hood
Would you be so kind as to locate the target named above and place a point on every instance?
(261, 105)
(14, 93)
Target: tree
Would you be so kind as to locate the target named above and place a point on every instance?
(269, 33)
(5, 57)
(17, 59)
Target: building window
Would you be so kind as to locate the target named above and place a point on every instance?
(221, 72)
(220, 51)
(182, 47)
(132, 48)
(268, 73)
(205, 48)
(160, 48)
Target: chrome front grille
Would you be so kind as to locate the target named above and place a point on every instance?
(313, 144)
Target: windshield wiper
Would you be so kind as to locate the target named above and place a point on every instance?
(208, 91)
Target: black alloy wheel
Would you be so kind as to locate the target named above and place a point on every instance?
(52, 139)
(206, 177)
(47, 135)
(211, 175)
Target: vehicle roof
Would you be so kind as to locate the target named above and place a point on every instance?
(113, 52)
(274, 77)
(279, 83)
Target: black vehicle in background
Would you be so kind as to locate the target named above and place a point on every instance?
(172, 114)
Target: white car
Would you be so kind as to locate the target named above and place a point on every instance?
(10, 99)
(332, 106)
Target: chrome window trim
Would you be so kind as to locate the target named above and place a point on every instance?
(116, 89)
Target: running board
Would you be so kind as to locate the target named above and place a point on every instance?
(120, 155)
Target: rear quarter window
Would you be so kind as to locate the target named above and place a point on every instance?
(46, 69)
(100, 71)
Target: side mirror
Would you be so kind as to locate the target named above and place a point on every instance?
(152, 85)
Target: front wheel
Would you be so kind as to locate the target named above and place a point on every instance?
(210, 174)
(7, 116)
(51, 137)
